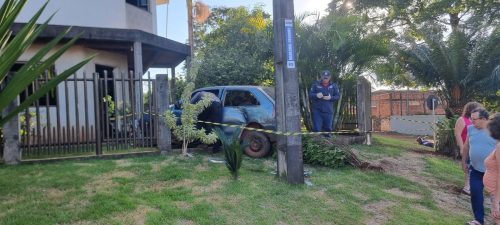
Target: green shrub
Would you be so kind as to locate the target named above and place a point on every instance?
(233, 151)
(318, 152)
(445, 136)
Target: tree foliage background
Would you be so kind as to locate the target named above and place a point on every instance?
(450, 45)
(339, 42)
(234, 47)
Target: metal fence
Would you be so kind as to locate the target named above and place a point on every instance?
(348, 115)
(91, 115)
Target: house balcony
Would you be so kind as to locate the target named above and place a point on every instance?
(115, 14)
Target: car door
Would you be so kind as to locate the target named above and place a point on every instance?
(177, 110)
(246, 105)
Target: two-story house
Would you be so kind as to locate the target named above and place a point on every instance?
(123, 34)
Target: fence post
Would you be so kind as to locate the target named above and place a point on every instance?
(363, 108)
(162, 102)
(11, 136)
(97, 99)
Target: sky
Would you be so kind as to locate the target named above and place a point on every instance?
(177, 17)
(177, 29)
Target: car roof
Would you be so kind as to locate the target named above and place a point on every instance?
(268, 90)
(229, 87)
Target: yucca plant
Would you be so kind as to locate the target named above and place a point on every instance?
(445, 142)
(233, 151)
(11, 48)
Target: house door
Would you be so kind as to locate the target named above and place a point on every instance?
(106, 76)
(107, 96)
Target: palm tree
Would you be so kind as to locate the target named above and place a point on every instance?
(340, 43)
(11, 48)
(462, 67)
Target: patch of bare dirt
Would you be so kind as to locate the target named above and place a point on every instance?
(281, 223)
(77, 203)
(186, 183)
(215, 185)
(429, 151)
(201, 167)
(137, 217)
(379, 212)
(104, 183)
(54, 194)
(82, 223)
(185, 222)
(320, 195)
(82, 164)
(411, 166)
(400, 193)
(360, 196)
(182, 205)
(123, 162)
(156, 167)
(10, 200)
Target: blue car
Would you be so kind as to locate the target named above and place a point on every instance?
(248, 106)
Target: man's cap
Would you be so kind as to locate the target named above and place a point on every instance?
(326, 73)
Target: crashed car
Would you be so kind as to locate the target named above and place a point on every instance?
(247, 106)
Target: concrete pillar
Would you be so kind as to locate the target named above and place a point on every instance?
(172, 85)
(363, 108)
(11, 136)
(290, 159)
(138, 72)
(162, 101)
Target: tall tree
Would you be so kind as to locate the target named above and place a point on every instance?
(234, 48)
(452, 45)
(342, 43)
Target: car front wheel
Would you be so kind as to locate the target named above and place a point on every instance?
(257, 144)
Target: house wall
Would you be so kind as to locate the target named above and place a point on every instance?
(141, 19)
(407, 124)
(72, 57)
(93, 13)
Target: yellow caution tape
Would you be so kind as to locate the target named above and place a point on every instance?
(273, 131)
(292, 133)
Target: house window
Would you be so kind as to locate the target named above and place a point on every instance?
(240, 98)
(143, 4)
(50, 99)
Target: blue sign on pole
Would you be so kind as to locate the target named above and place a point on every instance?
(290, 44)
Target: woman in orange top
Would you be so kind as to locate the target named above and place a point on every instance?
(491, 178)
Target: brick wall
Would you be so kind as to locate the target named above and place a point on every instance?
(399, 103)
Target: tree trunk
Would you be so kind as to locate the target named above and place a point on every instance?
(184, 147)
(189, 4)
(457, 100)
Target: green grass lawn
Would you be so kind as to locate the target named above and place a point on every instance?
(179, 190)
(385, 146)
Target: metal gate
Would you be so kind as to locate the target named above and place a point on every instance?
(92, 114)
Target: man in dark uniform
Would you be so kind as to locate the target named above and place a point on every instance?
(323, 94)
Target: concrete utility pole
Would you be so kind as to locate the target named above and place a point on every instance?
(290, 161)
